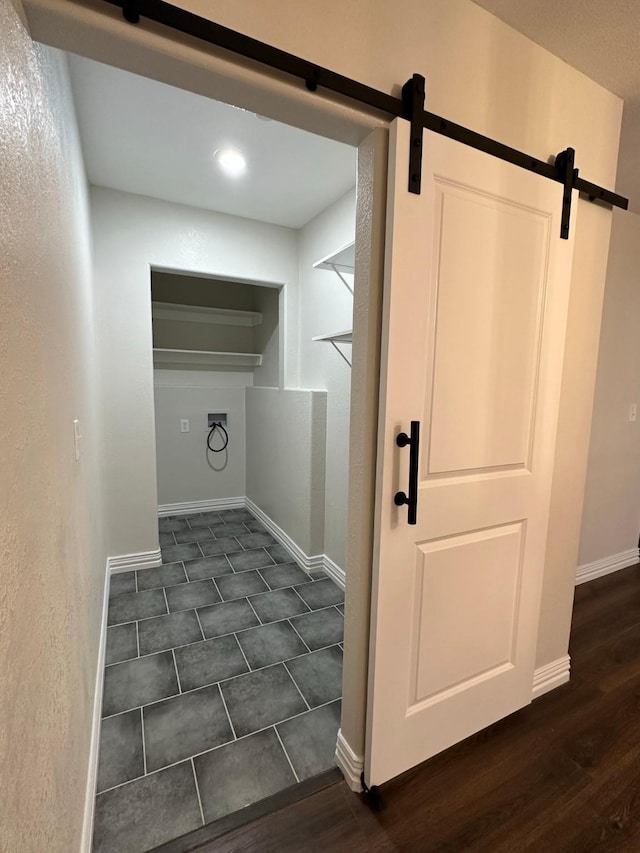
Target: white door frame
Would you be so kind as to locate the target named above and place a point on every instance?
(99, 34)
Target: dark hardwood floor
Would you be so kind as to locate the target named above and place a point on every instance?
(562, 774)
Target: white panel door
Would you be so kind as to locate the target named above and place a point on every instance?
(476, 294)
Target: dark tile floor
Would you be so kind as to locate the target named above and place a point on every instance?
(222, 685)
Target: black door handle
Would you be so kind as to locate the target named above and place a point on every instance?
(401, 498)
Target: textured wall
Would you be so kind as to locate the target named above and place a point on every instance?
(52, 567)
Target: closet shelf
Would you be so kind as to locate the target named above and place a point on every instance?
(203, 359)
(337, 337)
(342, 261)
(200, 314)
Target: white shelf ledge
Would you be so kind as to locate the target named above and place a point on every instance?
(200, 314)
(344, 260)
(337, 337)
(203, 359)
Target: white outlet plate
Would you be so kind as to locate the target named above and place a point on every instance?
(184, 425)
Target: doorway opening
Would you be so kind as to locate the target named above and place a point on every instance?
(223, 675)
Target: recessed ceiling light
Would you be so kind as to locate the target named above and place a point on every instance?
(232, 162)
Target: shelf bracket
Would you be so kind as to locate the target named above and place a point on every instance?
(413, 94)
(334, 344)
(342, 278)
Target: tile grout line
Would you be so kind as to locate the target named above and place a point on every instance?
(299, 635)
(264, 581)
(220, 636)
(166, 604)
(260, 622)
(295, 775)
(144, 745)
(222, 601)
(137, 639)
(195, 777)
(309, 610)
(295, 683)
(212, 683)
(233, 731)
(220, 746)
(195, 610)
(175, 664)
(235, 636)
(188, 580)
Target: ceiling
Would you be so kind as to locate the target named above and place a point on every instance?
(145, 137)
(601, 38)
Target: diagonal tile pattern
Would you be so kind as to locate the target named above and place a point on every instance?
(222, 684)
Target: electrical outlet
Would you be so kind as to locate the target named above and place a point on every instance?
(184, 425)
(633, 412)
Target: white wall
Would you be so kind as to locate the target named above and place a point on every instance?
(131, 234)
(286, 440)
(611, 517)
(325, 305)
(187, 470)
(53, 559)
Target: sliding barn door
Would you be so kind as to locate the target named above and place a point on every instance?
(476, 295)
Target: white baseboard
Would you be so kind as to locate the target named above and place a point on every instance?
(201, 506)
(307, 563)
(334, 571)
(605, 566)
(129, 562)
(92, 773)
(349, 763)
(550, 676)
